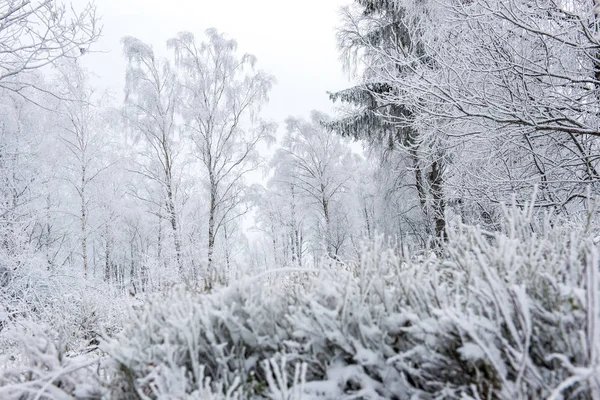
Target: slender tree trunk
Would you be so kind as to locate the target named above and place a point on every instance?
(227, 252)
(211, 221)
(436, 182)
(84, 216)
(298, 237)
(413, 149)
(116, 274)
(171, 209)
(274, 244)
(211, 234)
(292, 242)
(159, 239)
(175, 227)
(294, 231)
(325, 205)
(107, 249)
(132, 266)
(367, 221)
(49, 260)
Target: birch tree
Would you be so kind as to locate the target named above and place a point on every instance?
(33, 35)
(282, 215)
(22, 175)
(150, 106)
(85, 144)
(313, 159)
(221, 98)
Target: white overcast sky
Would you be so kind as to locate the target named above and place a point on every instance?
(293, 40)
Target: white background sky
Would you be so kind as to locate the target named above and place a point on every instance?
(293, 40)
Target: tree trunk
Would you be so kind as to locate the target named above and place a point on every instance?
(274, 244)
(107, 248)
(132, 274)
(299, 242)
(325, 204)
(294, 237)
(439, 205)
(367, 222)
(211, 225)
(84, 254)
(174, 226)
(227, 252)
(159, 239)
(412, 145)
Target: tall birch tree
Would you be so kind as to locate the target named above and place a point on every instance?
(150, 107)
(221, 98)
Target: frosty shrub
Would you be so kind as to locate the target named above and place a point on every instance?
(49, 332)
(43, 369)
(506, 315)
(25, 284)
(176, 342)
(511, 314)
(77, 310)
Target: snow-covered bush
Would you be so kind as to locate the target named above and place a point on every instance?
(24, 284)
(43, 369)
(50, 325)
(512, 314)
(80, 310)
(179, 340)
(506, 315)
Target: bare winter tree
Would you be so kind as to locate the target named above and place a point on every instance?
(222, 95)
(310, 162)
(525, 75)
(150, 105)
(21, 165)
(33, 34)
(282, 215)
(85, 143)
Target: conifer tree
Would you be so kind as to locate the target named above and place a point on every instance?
(370, 29)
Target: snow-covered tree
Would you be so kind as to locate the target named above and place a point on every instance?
(310, 165)
(370, 30)
(150, 108)
(22, 194)
(222, 95)
(487, 98)
(86, 147)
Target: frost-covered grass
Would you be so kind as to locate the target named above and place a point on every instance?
(505, 315)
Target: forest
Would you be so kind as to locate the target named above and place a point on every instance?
(434, 238)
